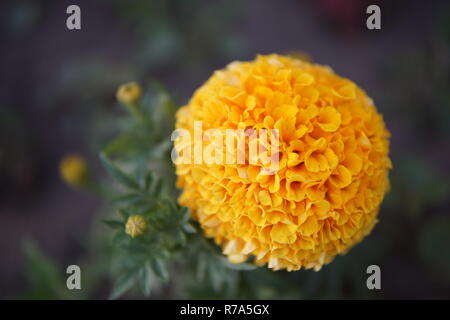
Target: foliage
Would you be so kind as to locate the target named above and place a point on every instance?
(146, 188)
(46, 281)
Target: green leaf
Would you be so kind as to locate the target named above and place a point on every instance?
(157, 188)
(148, 180)
(121, 239)
(44, 277)
(186, 213)
(187, 227)
(201, 267)
(181, 237)
(128, 143)
(165, 99)
(114, 224)
(118, 174)
(217, 278)
(123, 284)
(160, 269)
(127, 199)
(159, 149)
(145, 280)
(124, 214)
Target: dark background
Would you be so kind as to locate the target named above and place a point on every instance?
(57, 88)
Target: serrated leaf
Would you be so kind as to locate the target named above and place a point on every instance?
(118, 174)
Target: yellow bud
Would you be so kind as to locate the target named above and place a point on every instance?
(136, 226)
(129, 93)
(73, 170)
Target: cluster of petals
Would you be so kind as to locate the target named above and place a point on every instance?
(332, 172)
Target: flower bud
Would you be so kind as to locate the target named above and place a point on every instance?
(73, 170)
(129, 93)
(136, 226)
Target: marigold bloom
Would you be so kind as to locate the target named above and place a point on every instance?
(73, 170)
(333, 167)
(135, 226)
(129, 93)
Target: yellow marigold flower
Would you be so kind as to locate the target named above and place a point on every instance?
(129, 93)
(136, 226)
(333, 167)
(73, 170)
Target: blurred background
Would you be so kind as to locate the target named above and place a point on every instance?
(57, 92)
